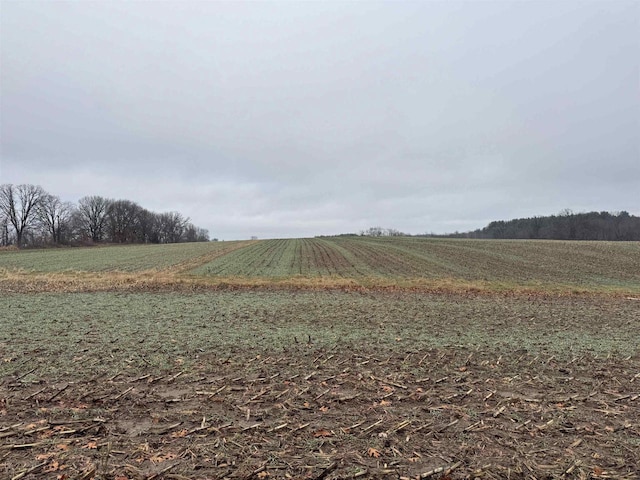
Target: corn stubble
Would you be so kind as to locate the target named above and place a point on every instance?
(322, 359)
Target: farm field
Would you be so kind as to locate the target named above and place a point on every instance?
(282, 359)
(336, 262)
(577, 263)
(126, 258)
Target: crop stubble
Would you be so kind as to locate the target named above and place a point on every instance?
(363, 383)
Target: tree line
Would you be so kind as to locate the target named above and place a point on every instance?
(620, 226)
(381, 232)
(30, 216)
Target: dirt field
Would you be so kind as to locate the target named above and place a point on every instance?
(318, 385)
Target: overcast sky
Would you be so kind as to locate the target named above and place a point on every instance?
(307, 118)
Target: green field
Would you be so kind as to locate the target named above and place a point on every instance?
(172, 325)
(497, 265)
(325, 358)
(126, 258)
(580, 263)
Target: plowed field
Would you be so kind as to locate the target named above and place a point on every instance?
(374, 261)
(322, 359)
(345, 261)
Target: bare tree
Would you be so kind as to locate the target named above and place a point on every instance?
(4, 230)
(18, 204)
(190, 233)
(123, 219)
(55, 216)
(148, 229)
(373, 232)
(202, 234)
(172, 226)
(382, 232)
(195, 234)
(29, 215)
(92, 213)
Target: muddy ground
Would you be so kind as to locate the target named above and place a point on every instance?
(328, 410)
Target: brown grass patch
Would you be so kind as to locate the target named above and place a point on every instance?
(172, 280)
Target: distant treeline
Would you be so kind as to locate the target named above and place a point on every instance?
(565, 226)
(29, 216)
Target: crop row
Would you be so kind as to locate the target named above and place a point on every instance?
(527, 261)
(605, 264)
(577, 263)
(285, 258)
(343, 258)
(265, 258)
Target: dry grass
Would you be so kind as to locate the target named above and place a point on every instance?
(172, 280)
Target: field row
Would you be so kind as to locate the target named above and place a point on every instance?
(575, 263)
(369, 261)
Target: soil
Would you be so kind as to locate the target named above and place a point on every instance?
(313, 413)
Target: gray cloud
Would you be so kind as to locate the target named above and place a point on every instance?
(293, 119)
